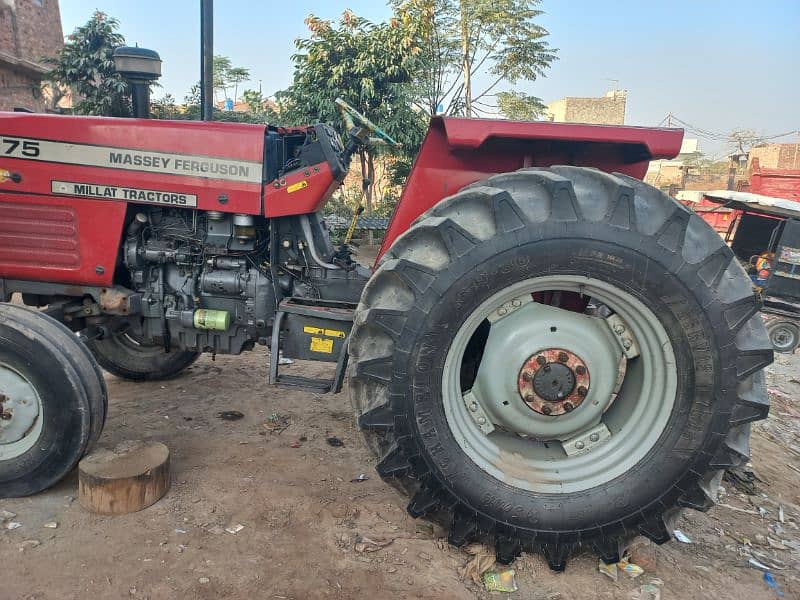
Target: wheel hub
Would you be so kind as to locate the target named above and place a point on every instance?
(19, 406)
(553, 382)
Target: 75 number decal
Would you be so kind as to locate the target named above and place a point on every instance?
(17, 147)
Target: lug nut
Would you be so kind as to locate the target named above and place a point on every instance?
(562, 357)
(594, 437)
(502, 310)
(568, 406)
(481, 421)
(529, 397)
(580, 370)
(582, 391)
(618, 328)
(526, 376)
(541, 360)
(626, 343)
(546, 409)
(473, 407)
(516, 303)
(579, 445)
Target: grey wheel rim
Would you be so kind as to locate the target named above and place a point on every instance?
(21, 413)
(625, 407)
(784, 336)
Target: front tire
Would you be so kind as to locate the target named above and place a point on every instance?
(53, 401)
(124, 356)
(582, 245)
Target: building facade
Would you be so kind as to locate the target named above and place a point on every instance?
(605, 110)
(30, 30)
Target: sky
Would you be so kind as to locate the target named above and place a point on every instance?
(715, 64)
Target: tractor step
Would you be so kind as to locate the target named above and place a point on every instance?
(309, 329)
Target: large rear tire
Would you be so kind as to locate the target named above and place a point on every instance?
(124, 356)
(555, 357)
(53, 405)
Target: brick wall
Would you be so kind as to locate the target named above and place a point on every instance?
(29, 31)
(606, 110)
(776, 156)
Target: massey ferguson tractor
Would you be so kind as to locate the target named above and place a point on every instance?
(547, 352)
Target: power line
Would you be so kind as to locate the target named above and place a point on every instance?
(712, 135)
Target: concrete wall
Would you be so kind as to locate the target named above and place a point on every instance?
(30, 30)
(606, 110)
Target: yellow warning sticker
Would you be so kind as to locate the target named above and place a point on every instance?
(297, 186)
(321, 345)
(320, 331)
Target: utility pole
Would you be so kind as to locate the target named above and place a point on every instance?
(206, 59)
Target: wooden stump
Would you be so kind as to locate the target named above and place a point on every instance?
(127, 479)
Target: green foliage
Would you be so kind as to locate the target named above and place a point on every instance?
(85, 66)
(498, 39)
(226, 76)
(519, 106)
(369, 65)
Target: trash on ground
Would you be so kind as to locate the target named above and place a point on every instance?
(50, 525)
(203, 580)
(500, 581)
(630, 569)
(230, 415)
(234, 529)
(366, 544)
(180, 531)
(609, 570)
(482, 560)
(277, 422)
(754, 563)
(612, 570)
(648, 591)
(681, 537)
(335, 442)
(282, 360)
(360, 478)
(770, 581)
(12, 525)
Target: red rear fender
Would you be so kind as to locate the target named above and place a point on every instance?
(457, 152)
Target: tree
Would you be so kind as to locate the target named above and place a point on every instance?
(494, 40)
(85, 67)
(370, 66)
(742, 140)
(519, 106)
(226, 75)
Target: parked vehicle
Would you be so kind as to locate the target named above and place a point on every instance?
(548, 352)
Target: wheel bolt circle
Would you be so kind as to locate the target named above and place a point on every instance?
(562, 357)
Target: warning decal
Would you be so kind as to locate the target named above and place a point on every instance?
(321, 345)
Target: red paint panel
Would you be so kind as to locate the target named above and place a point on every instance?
(778, 183)
(59, 240)
(213, 140)
(457, 152)
(319, 185)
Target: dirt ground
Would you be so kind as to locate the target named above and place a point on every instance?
(302, 515)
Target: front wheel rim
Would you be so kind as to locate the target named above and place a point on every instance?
(611, 431)
(21, 413)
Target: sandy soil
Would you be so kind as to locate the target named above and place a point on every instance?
(302, 515)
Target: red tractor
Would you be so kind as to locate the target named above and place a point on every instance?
(543, 356)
